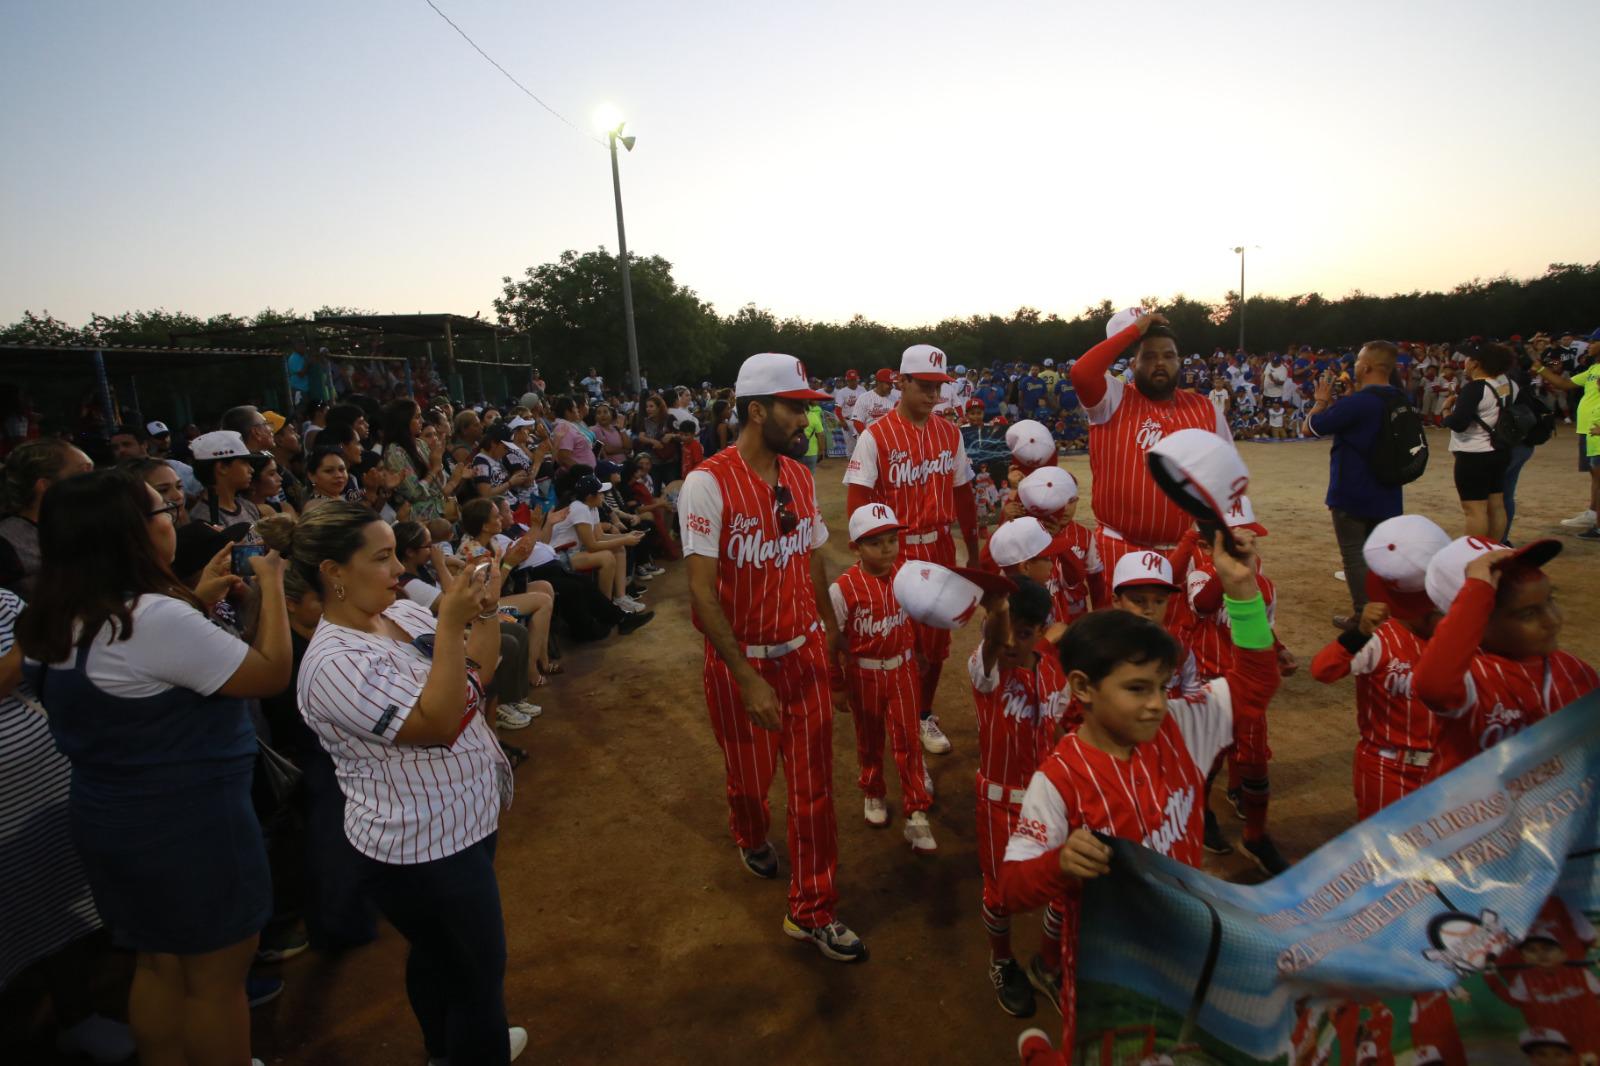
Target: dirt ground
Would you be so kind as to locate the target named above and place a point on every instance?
(636, 935)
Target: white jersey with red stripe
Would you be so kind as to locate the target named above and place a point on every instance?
(1019, 714)
(728, 513)
(872, 624)
(869, 407)
(1387, 712)
(912, 469)
(844, 400)
(1123, 426)
(1504, 697)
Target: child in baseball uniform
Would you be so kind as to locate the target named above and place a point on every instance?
(1135, 767)
(1050, 494)
(1493, 666)
(1396, 729)
(1021, 693)
(879, 672)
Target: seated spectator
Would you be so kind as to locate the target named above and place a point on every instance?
(483, 541)
(30, 469)
(582, 546)
(151, 711)
(490, 478)
(328, 475)
(161, 477)
(266, 486)
(636, 493)
(418, 470)
(574, 441)
(226, 469)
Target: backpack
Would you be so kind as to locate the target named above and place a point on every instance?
(1517, 422)
(1400, 452)
(1543, 425)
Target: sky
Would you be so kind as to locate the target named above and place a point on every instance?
(906, 162)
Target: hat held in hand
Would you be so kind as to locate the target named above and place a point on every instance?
(1200, 472)
(944, 597)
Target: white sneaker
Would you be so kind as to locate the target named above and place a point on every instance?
(876, 812)
(532, 710)
(919, 834)
(934, 742)
(628, 604)
(1581, 520)
(1338, 575)
(508, 717)
(519, 1040)
(648, 572)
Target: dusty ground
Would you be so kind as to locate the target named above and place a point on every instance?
(635, 935)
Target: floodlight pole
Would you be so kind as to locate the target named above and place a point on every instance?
(1240, 251)
(622, 247)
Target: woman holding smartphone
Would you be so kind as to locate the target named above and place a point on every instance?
(396, 697)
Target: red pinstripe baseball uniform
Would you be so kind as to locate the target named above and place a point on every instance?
(869, 407)
(1131, 513)
(728, 513)
(1481, 698)
(1433, 1024)
(915, 470)
(1070, 600)
(1565, 998)
(873, 626)
(1395, 727)
(1156, 797)
(1019, 716)
(1208, 634)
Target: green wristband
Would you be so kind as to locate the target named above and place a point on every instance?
(1248, 619)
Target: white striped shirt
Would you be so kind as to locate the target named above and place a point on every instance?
(404, 803)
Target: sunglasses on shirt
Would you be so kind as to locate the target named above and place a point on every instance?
(784, 499)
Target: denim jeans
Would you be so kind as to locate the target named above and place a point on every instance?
(1519, 455)
(449, 912)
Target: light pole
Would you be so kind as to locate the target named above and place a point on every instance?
(612, 137)
(1239, 250)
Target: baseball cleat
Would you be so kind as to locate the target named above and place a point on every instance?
(934, 742)
(1034, 1046)
(1047, 981)
(762, 861)
(919, 834)
(875, 811)
(1265, 854)
(1011, 988)
(1215, 842)
(834, 940)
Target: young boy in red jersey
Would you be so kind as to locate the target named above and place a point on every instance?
(1396, 729)
(1021, 694)
(879, 672)
(694, 453)
(1493, 666)
(1050, 494)
(1136, 766)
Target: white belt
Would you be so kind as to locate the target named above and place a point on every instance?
(881, 664)
(1114, 535)
(998, 793)
(927, 537)
(775, 651)
(1406, 756)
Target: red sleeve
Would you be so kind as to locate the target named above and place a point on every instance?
(1209, 599)
(1031, 883)
(967, 511)
(1089, 372)
(1099, 589)
(1253, 679)
(1440, 679)
(1182, 553)
(855, 496)
(1331, 663)
(1071, 565)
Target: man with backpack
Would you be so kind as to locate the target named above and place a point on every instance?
(1378, 446)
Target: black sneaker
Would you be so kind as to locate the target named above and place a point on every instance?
(762, 861)
(1265, 854)
(1215, 842)
(1046, 981)
(1011, 988)
(1236, 801)
(1590, 534)
(630, 622)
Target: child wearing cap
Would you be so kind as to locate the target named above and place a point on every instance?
(1395, 728)
(876, 669)
(1553, 989)
(1135, 768)
(1077, 581)
(1021, 695)
(1032, 447)
(1143, 585)
(1493, 666)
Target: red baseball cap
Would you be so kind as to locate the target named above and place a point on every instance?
(851, 375)
(884, 375)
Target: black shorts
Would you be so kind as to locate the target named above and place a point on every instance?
(1480, 475)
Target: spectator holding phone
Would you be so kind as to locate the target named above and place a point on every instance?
(147, 699)
(397, 699)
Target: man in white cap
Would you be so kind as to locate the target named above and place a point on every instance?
(1131, 512)
(1396, 729)
(749, 521)
(917, 465)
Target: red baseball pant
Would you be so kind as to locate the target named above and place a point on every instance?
(1380, 782)
(888, 698)
(996, 822)
(805, 742)
(933, 644)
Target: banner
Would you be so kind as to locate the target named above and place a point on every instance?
(1452, 927)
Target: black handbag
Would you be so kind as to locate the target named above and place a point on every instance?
(274, 786)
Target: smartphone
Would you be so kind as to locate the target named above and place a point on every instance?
(242, 554)
(479, 570)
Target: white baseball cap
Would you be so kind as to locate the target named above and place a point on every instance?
(1367, 1052)
(1049, 362)
(1047, 491)
(1123, 319)
(959, 369)
(772, 374)
(1200, 471)
(1447, 570)
(1143, 568)
(1030, 443)
(519, 422)
(1537, 1035)
(1398, 550)
(156, 429)
(219, 444)
(1019, 540)
(872, 518)
(926, 362)
(1242, 515)
(944, 597)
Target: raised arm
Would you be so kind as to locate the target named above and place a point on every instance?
(1089, 372)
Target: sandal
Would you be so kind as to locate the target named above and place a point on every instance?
(556, 669)
(540, 683)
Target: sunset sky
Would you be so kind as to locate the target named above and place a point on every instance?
(903, 161)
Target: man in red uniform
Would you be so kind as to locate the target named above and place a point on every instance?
(1131, 512)
(917, 465)
(749, 520)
